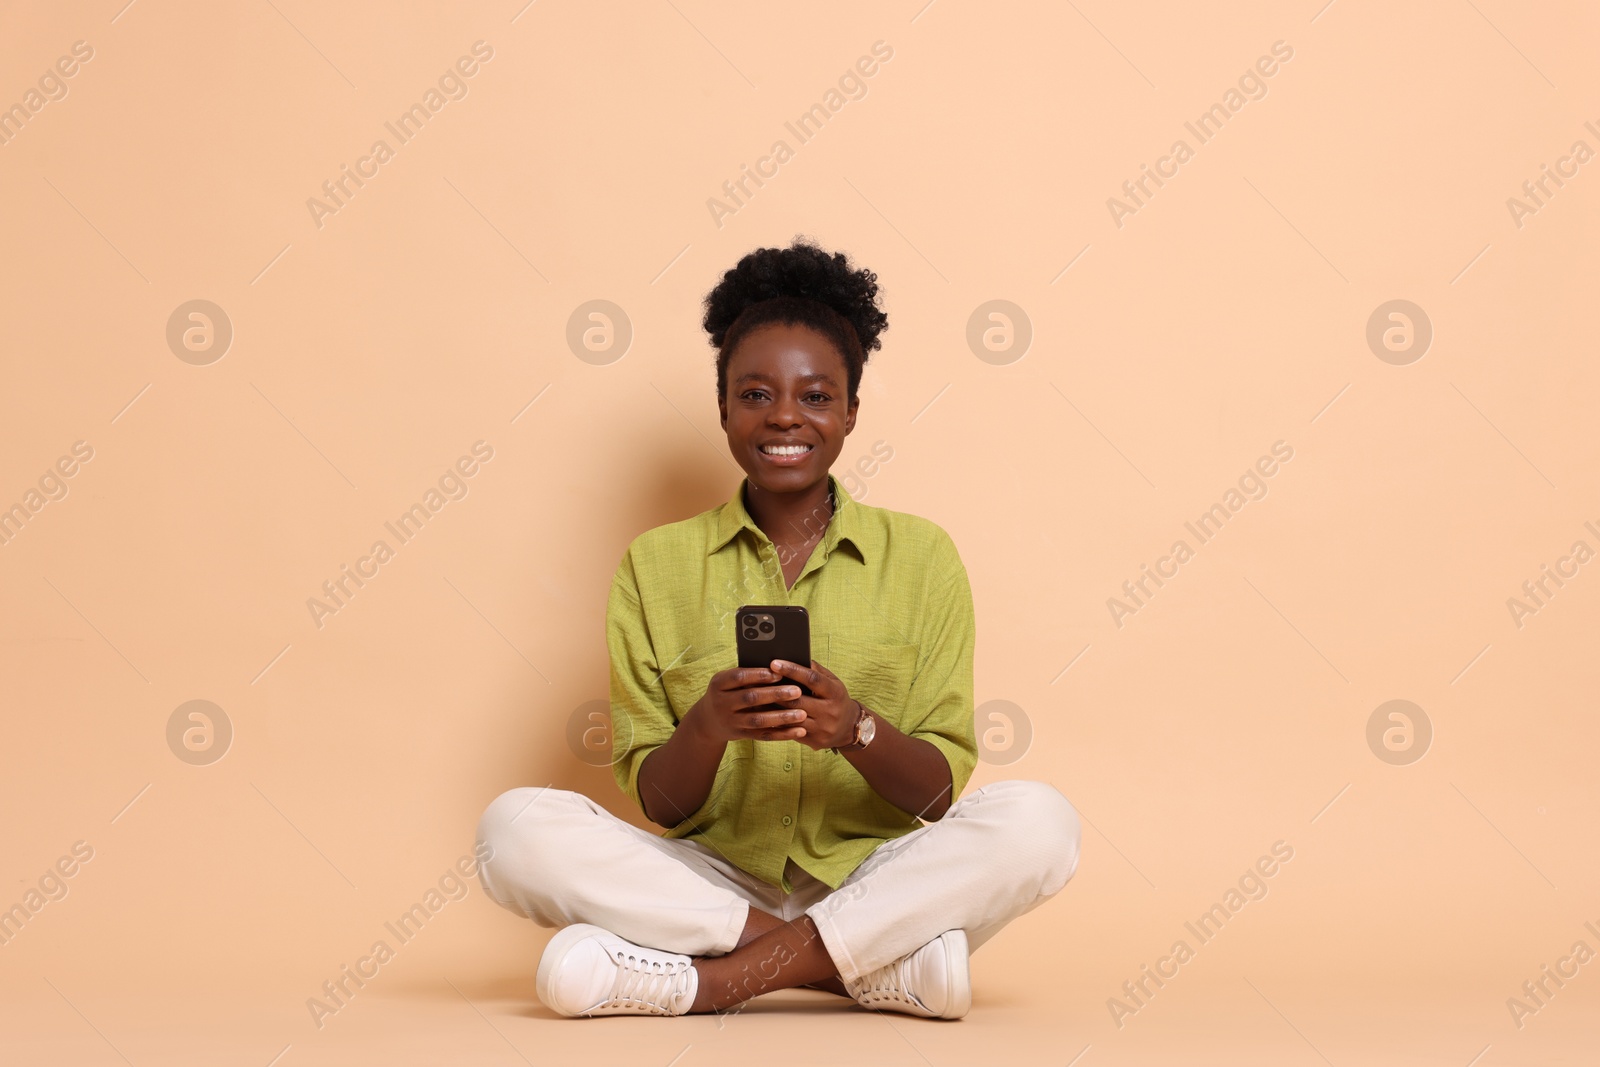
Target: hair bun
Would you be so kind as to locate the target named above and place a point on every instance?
(799, 285)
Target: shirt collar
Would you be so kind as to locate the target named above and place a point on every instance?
(844, 526)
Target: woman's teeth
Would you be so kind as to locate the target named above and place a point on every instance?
(785, 450)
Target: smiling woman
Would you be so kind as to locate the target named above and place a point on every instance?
(813, 837)
(793, 321)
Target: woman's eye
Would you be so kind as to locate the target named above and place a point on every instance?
(761, 394)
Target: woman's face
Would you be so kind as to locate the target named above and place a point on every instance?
(787, 385)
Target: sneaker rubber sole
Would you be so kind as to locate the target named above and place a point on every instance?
(957, 974)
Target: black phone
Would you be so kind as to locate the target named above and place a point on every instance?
(774, 631)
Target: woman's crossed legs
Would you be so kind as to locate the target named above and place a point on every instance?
(560, 859)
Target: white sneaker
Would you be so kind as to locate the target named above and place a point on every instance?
(932, 982)
(589, 971)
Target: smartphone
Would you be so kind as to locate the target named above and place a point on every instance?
(774, 631)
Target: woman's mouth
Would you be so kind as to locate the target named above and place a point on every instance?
(786, 455)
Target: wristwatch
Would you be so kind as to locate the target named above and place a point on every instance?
(866, 730)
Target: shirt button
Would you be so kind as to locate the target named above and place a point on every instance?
(787, 765)
(787, 820)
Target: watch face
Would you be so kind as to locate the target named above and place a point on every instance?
(869, 729)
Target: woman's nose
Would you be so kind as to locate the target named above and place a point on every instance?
(784, 413)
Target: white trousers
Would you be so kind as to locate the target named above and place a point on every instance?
(559, 858)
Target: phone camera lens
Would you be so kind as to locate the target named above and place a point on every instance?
(749, 620)
(766, 626)
(750, 635)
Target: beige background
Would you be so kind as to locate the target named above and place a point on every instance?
(1228, 313)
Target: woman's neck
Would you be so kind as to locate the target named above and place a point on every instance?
(791, 519)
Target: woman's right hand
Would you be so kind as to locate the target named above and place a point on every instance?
(728, 712)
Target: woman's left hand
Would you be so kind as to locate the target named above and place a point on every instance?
(830, 710)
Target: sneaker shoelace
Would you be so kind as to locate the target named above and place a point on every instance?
(887, 984)
(651, 986)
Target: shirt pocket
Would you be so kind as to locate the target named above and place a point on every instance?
(876, 673)
(686, 683)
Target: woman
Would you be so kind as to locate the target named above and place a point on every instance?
(811, 840)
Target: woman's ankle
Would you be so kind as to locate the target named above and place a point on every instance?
(833, 985)
(756, 923)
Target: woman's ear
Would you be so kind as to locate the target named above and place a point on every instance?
(850, 415)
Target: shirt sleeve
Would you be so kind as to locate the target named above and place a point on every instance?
(641, 718)
(943, 682)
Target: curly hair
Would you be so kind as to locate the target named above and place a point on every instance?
(801, 285)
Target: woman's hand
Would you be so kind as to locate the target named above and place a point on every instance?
(744, 703)
(830, 711)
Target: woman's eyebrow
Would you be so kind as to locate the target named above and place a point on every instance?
(756, 377)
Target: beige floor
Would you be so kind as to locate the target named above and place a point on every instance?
(1025, 1011)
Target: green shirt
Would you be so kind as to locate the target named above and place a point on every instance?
(891, 615)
